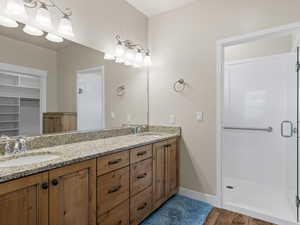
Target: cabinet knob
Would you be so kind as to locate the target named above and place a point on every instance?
(45, 186)
(55, 182)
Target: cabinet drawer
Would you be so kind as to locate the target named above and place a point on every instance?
(139, 154)
(116, 216)
(141, 176)
(112, 162)
(112, 189)
(140, 206)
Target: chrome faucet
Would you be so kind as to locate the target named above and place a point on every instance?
(138, 129)
(19, 145)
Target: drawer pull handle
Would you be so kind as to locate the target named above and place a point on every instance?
(113, 162)
(119, 223)
(141, 153)
(167, 146)
(141, 176)
(114, 189)
(55, 182)
(142, 207)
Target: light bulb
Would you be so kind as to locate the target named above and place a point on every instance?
(129, 57)
(16, 8)
(65, 27)
(43, 17)
(32, 30)
(7, 22)
(139, 58)
(120, 60)
(147, 60)
(108, 56)
(120, 49)
(54, 38)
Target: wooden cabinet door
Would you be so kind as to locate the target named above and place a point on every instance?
(159, 188)
(25, 201)
(72, 194)
(171, 168)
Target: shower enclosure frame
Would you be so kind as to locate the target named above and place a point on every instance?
(220, 47)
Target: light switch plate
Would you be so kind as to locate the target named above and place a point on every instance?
(199, 116)
(113, 116)
(172, 119)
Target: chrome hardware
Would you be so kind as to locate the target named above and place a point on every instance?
(80, 91)
(291, 131)
(20, 145)
(268, 129)
(137, 129)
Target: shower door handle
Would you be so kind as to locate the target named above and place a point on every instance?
(291, 130)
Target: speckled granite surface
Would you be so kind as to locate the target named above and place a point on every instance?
(77, 152)
(73, 137)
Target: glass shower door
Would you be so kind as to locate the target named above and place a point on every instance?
(289, 131)
(260, 144)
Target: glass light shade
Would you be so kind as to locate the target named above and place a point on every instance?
(120, 50)
(127, 63)
(119, 60)
(54, 38)
(139, 59)
(32, 30)
(43, 18)
(147, 60)
(108, 56)
(65, 27)
(129, 57)
(7, 22)
(16, 8)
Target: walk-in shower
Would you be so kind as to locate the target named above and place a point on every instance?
(259, 133)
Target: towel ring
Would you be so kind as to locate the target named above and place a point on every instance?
(121, 90)
(179, 85)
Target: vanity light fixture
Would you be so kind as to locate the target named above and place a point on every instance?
(65, 26)
(130, 54)
(32, 30)
(54, 38)
(43, 17)
(16, 9)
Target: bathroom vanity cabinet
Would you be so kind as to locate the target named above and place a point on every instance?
(117, 189)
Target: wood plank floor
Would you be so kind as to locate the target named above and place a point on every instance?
(224, 217)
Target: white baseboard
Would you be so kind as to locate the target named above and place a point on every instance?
(210, 199)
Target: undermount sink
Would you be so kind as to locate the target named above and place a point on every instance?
(26, 159)
(148, 134)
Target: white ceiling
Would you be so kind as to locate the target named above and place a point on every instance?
(154, 7)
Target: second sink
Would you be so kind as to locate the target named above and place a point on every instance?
(27, 159)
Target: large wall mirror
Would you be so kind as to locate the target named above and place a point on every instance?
(50, 87)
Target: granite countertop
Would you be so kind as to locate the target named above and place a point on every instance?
(77, 152)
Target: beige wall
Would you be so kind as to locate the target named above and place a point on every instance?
(183, 43)
(24, 54)
(134, 102)
(260, 48)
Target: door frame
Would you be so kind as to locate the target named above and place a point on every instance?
(220, 53)
(102, 77)
(42, 74)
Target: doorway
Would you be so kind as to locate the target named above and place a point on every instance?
(257, 138)
(90, 99)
